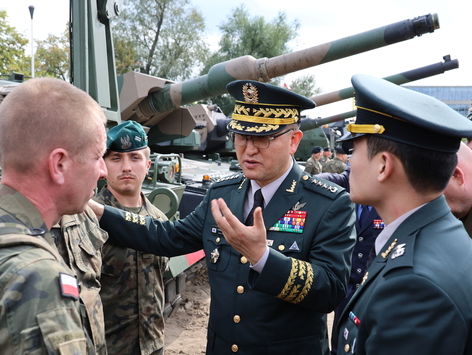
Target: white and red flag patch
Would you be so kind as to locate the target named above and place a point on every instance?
(69, 286)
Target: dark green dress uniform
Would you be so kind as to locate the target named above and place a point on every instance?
(279, 311)
(416, 297)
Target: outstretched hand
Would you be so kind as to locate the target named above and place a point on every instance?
(250, 241)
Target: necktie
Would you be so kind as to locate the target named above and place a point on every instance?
(258, 202)
(364, 220)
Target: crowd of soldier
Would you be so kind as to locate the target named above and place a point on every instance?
(277, 240)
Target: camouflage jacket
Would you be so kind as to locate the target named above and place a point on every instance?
(334, 166)
(313, 166)
(132, 291)
(37, 315)
(80, 241)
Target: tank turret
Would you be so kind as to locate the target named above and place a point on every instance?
(157, 103)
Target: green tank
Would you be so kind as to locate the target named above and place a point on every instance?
(159, 105)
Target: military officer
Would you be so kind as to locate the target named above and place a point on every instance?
(50, 134)
(327, 155)
(416, 296)
(313, 165)
(269, 292)
(132, 281)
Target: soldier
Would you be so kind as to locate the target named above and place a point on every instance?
(271, 282)
(79, 240)
(132, 281)
(459, 189)
(313, 165)
(338, 163)
(50, 134)
(326, 157)
(416, 296)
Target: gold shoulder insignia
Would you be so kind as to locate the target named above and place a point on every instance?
(299, 282)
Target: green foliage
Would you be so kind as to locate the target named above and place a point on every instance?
(304, 85)
(245, 35)
(12, 49)
(52, 57)
(160, 37)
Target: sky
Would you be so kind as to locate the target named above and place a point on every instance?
(319, 22)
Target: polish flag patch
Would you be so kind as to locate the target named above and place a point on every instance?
(69, 286)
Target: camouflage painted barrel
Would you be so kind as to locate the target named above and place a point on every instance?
(247, 67)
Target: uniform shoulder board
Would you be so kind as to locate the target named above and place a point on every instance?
(322, 186)
(228, 180)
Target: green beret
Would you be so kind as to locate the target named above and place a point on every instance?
(405, 116)
(264, 109)
(126, 137)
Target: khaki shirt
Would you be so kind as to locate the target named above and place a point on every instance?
(313, 166)
(80, 245)
(132, 291)
(36, 316)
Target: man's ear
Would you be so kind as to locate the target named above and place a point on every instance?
(385, 163)
(58, 163)
(458, 176)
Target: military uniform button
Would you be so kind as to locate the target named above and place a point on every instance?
(357, 285)
(236, 319)
(234, 348)
(305, 177)
(361, 239)
(240, 289)
(281, 247)
(359, 270)
(243, 260)
(218, 239)
(347, 348)
(360, 255)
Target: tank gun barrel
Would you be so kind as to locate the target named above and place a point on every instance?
(173, 95)
(400, 78)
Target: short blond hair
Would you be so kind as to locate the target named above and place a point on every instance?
(44, 114)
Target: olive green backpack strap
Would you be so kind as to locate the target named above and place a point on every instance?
(7, 240)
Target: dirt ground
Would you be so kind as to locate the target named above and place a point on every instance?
(185, 330)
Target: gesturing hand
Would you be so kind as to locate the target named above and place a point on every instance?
(250, 241)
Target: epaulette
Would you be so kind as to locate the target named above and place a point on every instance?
(322, 186)
(228, 180)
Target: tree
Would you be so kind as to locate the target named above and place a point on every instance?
(12, 48)
(160, 37)
(245, 35)
(52, 56)
(304, 85)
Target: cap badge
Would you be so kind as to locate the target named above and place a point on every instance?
(250, 93)
(125, 142)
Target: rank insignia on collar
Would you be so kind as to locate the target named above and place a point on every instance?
(214, 256)
(292, 222)
(292, 187)
(398, 251)
(69, 286)
(386, 253)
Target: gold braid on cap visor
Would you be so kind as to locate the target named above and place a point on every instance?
(368, 128)
(265, 115)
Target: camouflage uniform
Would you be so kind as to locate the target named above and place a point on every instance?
(133, 291)
(313, 166)
(35, 316)
(323, 161)
(79, 240)
(335, 165)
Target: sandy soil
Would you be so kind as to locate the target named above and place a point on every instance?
(185, 330)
